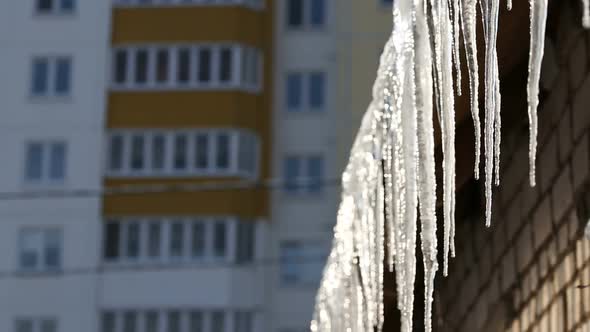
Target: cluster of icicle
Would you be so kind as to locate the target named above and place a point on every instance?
(389, 184)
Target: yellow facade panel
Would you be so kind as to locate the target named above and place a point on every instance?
(188, 24)
(247, 203)
(182, 109)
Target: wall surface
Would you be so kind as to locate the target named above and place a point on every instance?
(530, 270)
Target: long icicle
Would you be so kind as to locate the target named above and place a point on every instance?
(538, 24)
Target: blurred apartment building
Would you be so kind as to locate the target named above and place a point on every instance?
(170, 106)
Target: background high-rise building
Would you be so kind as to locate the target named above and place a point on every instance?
(175, 164)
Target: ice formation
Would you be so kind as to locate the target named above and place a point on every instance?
(389, 184)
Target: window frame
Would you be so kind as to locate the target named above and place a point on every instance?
(169, 170)
(307, 17)
(57, 9)
(235, 81)
(51, 87)
(305, 96)
(40, 248)
(45, 179)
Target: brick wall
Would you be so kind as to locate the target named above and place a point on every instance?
(525, 273)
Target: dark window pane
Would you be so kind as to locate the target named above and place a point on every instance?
(34, 162)
(162, 63)
(133, 240)
(158, 152)
(116, 154)
(245, 247)
(130, 321)
(292, 173)
(48, 325)
(294, 91)
(226, 65)
(120, 66)
(198, 239)
(223, 151)
(141, 66)
(154, 239)
(44, 5)
(68, 5)
(23, 325)
(112, 240)
(219, 239)
(53, 249)
(196, 322)
(40, 77)
(204, 65)
(152, 321)
(29, 242)
(318, 12)
(108, 322)
(176, 239)
(295, 13)
(317, 90)
(217, 321)
(180, 152)
(184, 69)
(173, 321)
(137, 152)
(290, 265)
(315, 173)
(57, 162)
(202, 151)
(63, 76)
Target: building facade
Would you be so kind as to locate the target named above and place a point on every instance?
(175, 165)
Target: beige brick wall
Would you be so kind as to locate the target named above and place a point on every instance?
(524, 273)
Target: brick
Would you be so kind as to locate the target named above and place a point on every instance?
(542, 223)
(530, 198)
(578, 62)
(524, 248)
(563, 238)
(562, 194)
(508, 270)
(565, 137)
(548, 159)
(580, 162)
(554, 105)
(581, 109)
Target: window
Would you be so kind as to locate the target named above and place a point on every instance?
(169, 67)
(35, 325)
(45, 162)
(252, 4)
(243, 322)
(219, 239)
(294, 91)
(303, 174)
(225, 74)
(40, 250)
(141, 66)
(172, 153)
(302, 13)
(162, 64)
(180, 152)
(305, 91)
(198, 239)
(51, 76)
(302, 263)
(218, 321)
(316, 90)
(55, 6)
(173, 320)
(245, 243)
(176, 240)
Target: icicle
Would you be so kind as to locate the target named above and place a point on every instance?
(538, 22)
(509, 5)
(586, 17)
(426, 169)
(469, 13)
(456, 19)
(497, 124)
